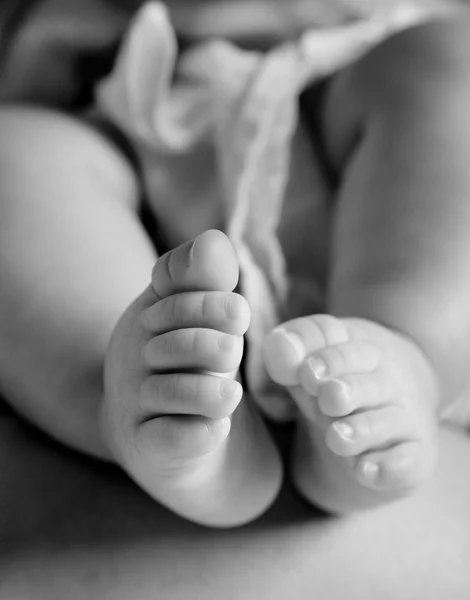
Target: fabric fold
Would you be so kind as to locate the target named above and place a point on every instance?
(221, 144)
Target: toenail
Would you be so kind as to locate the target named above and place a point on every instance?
(294, 342)
(370, 470)
(191, 252)
(225, 424)
(345, 431)
(218, 430)
(230, 390)
(318, 368)
(342, 388)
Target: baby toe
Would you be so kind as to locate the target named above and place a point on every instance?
(207, 263)
(283, 352)
(166, 441)
(286, 347)
(337, 361)
(399, 468)
(190, 394)
(227, 312)
(372, 429)
(206, 349)
(317, 331)
(341, 397)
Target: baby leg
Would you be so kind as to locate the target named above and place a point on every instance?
(73, 257)
(369, 377)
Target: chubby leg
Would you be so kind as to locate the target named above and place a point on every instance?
(369, 380)
(73, 255)
(73, 258)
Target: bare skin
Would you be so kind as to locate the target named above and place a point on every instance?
(370, 377)
(367, 399)
(171, 420)
(78, 283)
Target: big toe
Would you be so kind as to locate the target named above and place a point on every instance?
(208, 263)
(284, 353)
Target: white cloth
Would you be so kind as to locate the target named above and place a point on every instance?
(219, 138)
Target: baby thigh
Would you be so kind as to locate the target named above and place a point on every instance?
(73, 255)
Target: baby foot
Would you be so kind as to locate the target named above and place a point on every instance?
(172, 416)
(367, 400)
